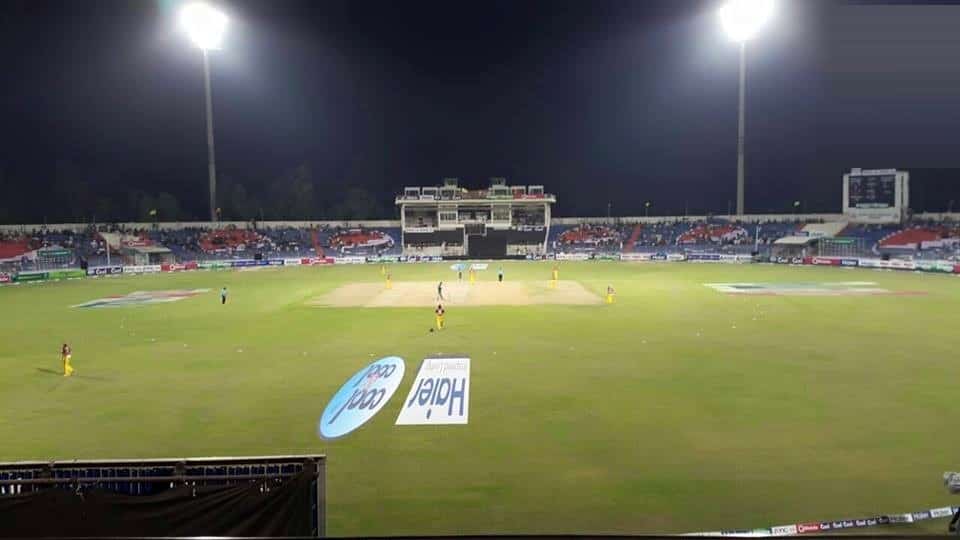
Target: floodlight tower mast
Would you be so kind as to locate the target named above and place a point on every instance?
(742, 19)
(206, 26)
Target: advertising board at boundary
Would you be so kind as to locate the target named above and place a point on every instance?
(936, 266)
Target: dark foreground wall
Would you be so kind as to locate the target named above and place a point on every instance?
(238, 510)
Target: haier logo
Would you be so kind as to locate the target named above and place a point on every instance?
(361, 397)
(440, 394)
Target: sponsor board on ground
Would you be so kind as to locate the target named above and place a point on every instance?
(892, 264)
(142, 298)
(573, 256)
(104, 270)
(350, 259)
(141, 269)
(292, 262)
(945, 267)
(672, 257)
(826, 261)
(383, 259)
(946, 511)
(808, 527)
(313, 261)
(440, 394)
(900, 518)
(361, 397)
(179, 267)
(783, 530)
(26, 277)
(70, 273)
(5, 277)
(479, 266)
(213, 265)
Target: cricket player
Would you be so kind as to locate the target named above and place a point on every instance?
(611, 294)
(223, 296)
(439, 313)
(389, 280)
(500, 274)
(65, 355)
(473, 275)
(555, 276)
(440, 291)
(383, 270)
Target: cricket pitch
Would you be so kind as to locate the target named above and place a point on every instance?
(485, 293)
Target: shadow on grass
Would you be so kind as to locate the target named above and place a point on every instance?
(49, 371)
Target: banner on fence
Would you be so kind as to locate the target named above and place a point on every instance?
(5, 277)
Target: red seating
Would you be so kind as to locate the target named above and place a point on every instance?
(703, 234)
(14, 249)
(227, 239)
(914, 237)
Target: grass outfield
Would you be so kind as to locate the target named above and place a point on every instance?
(583, 418)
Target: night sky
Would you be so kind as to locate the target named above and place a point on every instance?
(318, 102)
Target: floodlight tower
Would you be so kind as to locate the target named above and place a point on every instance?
(741, 20)
(205, 26)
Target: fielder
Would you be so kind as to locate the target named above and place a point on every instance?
(65, 355)
(611, 294)
(439, 313)
(389, 280)
(555, 276)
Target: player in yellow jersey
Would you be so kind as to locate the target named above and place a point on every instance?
(389, 280)
(473, 275)
(555, 276)
(66, 353)
(439, 313)
(611, 294)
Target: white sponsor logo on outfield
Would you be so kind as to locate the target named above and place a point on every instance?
(836, 288)
(440, 394)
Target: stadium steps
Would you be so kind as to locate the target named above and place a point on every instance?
(634, 236)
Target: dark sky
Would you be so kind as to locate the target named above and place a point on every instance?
(601, 100)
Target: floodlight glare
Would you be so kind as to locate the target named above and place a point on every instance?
(204, 25)
(742, 19)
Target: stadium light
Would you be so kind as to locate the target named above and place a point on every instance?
(206, 26)
(742, 20)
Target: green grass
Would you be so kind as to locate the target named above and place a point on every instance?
(582, 419)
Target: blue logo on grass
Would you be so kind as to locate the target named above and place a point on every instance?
(361, 397)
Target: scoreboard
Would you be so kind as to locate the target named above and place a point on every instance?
(872, 191)
(876, 195)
